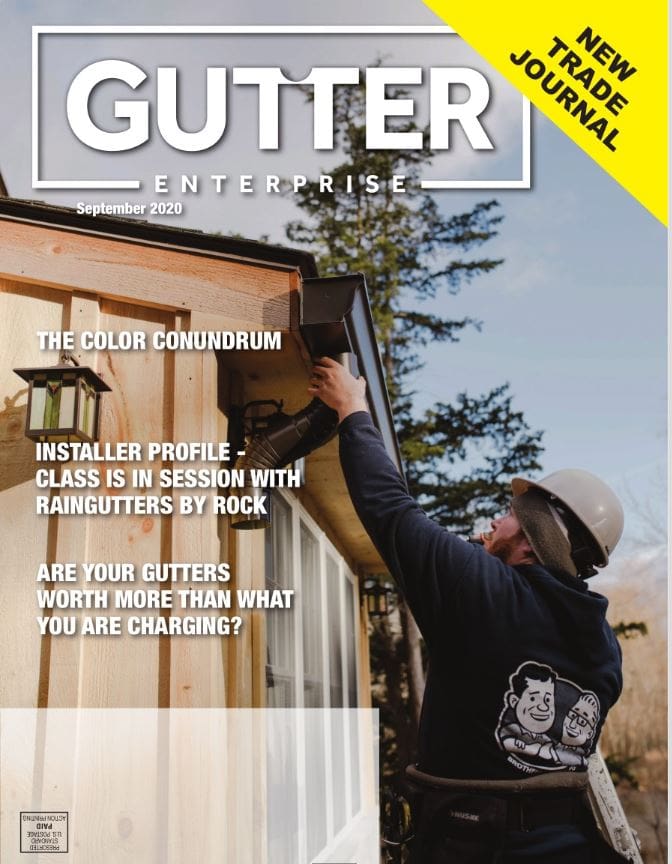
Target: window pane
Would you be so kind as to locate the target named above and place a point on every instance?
(335, 638)
(283, 809)
(311, 600)
(351, 643)
(280, 678)
(313, 679)
(336, 692)
(351, 661)
(316, 792)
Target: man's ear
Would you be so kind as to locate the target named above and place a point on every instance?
(513, 700)
(527, 551)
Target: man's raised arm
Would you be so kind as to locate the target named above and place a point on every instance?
(426, 560)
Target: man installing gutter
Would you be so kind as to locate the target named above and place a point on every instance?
(523, 666)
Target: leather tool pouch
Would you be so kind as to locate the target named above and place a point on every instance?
(458, 827)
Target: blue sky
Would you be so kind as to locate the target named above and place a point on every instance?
(575, 319)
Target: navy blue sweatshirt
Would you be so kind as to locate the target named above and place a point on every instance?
(523, 664)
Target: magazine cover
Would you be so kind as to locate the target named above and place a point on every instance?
(333, 435)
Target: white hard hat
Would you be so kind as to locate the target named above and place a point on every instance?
(589, 499)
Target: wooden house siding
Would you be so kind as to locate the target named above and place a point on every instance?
(55, 279)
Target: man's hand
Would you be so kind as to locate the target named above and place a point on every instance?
(337, 388)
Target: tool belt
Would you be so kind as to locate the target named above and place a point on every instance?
(468, 820)
(507, 805)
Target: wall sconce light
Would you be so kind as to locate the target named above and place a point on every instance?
(248, 422)
(63, 401)
(276, 439)
(377, 597)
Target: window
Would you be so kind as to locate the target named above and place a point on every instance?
(311, 663)
(311, 648)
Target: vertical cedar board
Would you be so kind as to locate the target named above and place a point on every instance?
(245, 763)
(122, 671)
(20, 789)
(197, 824)
(27, 536)
(115, 815)
(196, 667)
(61, 656)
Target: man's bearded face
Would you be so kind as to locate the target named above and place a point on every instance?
(506, 540)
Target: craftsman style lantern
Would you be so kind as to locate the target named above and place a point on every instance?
(378, 597)
(63, 401)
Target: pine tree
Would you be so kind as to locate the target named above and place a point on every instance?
(410, 252)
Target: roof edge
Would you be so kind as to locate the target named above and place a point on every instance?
(155, 234)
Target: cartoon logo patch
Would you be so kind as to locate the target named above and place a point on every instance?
(548, 723)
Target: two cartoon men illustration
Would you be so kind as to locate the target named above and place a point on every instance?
(525, 729)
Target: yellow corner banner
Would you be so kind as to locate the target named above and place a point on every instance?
(598, 70)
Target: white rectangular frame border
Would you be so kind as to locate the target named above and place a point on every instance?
(262, 29)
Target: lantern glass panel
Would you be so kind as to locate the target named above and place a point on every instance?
(63, 411)
(38, 400)
(88, 409)
(52, 404)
